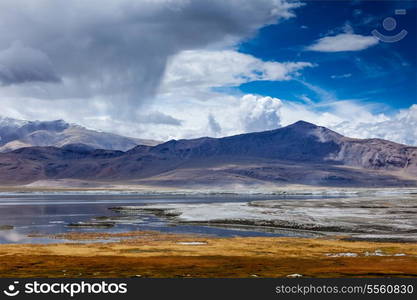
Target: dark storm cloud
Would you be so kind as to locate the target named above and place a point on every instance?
(19, 64)
(116, 50)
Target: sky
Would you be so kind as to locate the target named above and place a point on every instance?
(165, 69)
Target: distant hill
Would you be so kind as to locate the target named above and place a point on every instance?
(301, 153)
(15, 134)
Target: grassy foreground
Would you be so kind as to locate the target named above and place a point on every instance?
(152, 254)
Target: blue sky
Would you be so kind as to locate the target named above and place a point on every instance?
(383, 75)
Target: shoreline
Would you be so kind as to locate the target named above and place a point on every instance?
(384, 216)
(206, 190)
(156, 254)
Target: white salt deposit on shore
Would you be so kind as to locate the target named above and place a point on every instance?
(372, 217)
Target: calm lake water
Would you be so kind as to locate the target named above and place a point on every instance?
(42, 214)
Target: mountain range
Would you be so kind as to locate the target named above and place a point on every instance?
(15, 134)
(301, 153)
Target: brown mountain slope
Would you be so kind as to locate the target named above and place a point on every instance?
(301, 153)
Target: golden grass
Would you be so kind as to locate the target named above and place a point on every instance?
(153, 254)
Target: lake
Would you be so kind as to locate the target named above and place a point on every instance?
(36, 216)
(50, 213)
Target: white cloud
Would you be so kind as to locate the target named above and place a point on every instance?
(343, 42)
(259, 113)
(330, 114)
(356, 120)
(206, 69)
(400, 128)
